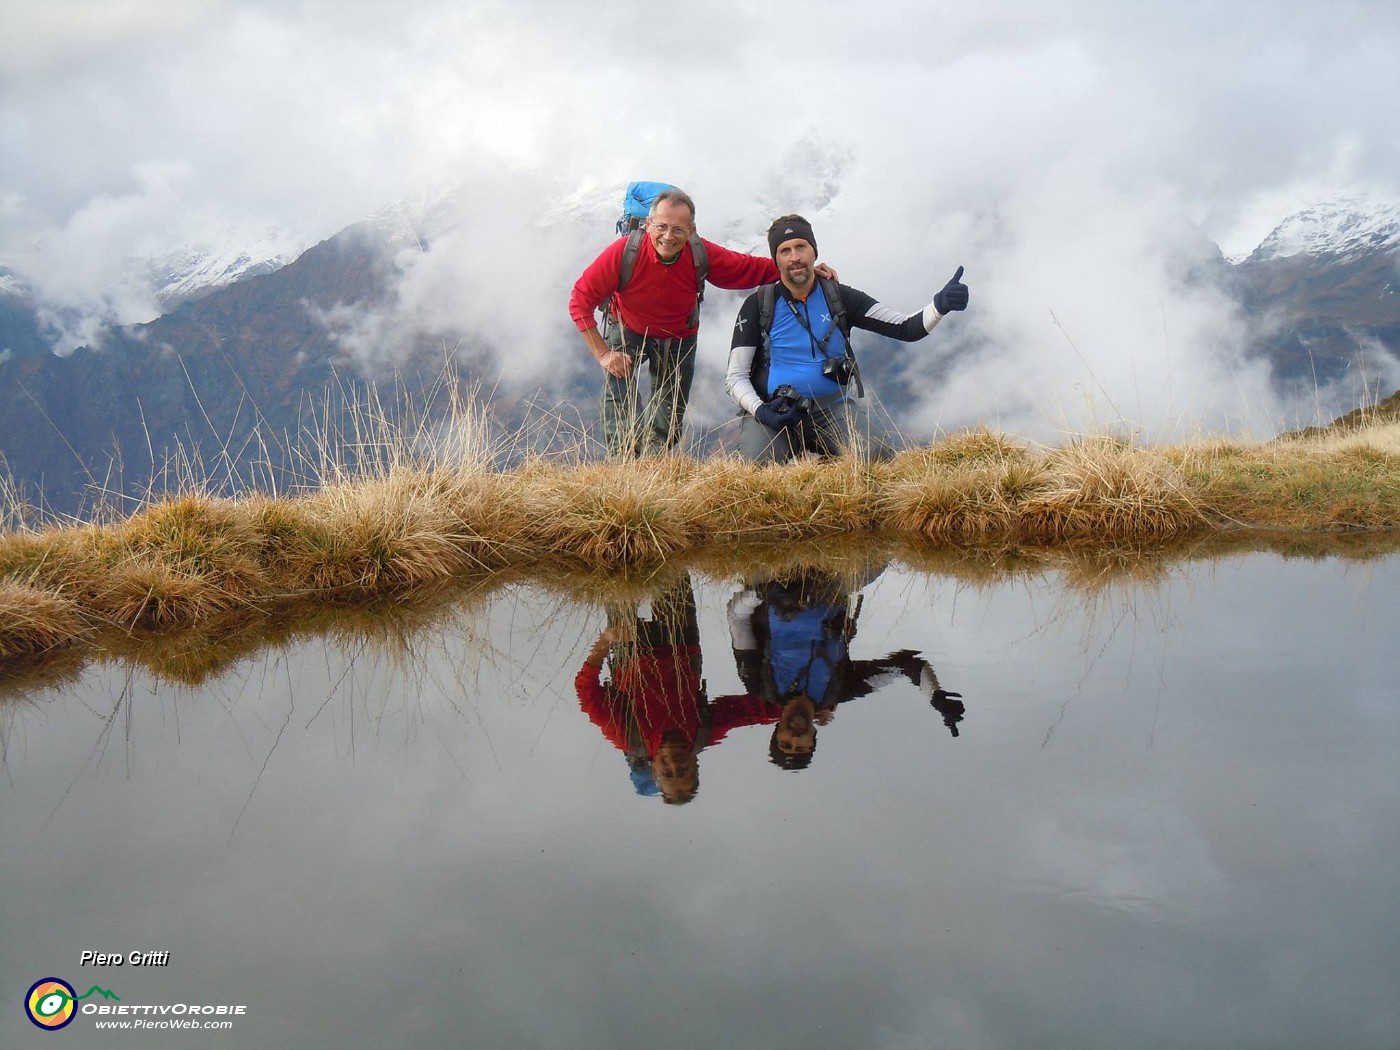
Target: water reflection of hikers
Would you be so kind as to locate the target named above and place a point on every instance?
(655, 709)
(791, 640)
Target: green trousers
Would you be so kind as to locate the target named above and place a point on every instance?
(633, 426)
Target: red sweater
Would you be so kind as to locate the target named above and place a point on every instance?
(659, 298)
(664, 694)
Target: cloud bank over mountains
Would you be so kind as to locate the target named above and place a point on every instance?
(1081, 159)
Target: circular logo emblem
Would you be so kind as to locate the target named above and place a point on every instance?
(50, 1004)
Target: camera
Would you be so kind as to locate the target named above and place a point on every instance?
(839, 369)
(789, 394)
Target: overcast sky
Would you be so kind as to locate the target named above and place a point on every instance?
(1069, 153)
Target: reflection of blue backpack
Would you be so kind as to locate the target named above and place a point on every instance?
(636, 206)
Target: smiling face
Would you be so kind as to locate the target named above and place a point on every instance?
(796, 259)
(676, 769)
(669, 226)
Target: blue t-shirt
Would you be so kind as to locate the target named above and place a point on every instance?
(795, 354)
(804, 655)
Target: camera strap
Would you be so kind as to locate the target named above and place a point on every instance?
(818, 344)
(831, 292)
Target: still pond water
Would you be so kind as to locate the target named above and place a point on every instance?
(1163, 815)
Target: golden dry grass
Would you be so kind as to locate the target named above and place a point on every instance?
(34, 620)
(190, 564)
(1330, 482)
(985, 490)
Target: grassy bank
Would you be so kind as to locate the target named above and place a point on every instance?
(191, 562)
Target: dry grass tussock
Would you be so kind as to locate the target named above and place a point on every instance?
(34, 620)
(417, 521)
(984, 490)
(1330, 482)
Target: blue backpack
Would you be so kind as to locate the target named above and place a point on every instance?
(637, 202)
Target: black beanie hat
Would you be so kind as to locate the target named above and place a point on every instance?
(788, 228)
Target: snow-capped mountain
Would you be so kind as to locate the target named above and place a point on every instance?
(67, 305)
(220, 253)
(1321, 292)
(195, 271)
(1344, 225)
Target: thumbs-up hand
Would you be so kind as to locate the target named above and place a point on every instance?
(953, 296)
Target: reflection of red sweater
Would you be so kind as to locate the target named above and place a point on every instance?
(659, 298)
(665, 694)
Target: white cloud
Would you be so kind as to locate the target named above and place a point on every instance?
(48, 39)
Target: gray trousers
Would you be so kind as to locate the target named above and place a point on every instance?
(632, 427)
(830, 427)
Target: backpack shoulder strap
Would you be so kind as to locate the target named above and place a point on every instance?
(624, 274)
(767, 303)
(702, 260)
(701, 255)
(758, 373)
(629, 257)
(832, 291)
(767, 296)
(768, 685)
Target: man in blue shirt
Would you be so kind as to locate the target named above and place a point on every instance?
(791, 636)
(793, 381)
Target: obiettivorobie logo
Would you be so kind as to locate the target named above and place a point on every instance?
(52, 1003)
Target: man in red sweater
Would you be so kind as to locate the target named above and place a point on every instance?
(655, 320)
(654, 710)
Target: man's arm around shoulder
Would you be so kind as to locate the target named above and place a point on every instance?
(735, 270)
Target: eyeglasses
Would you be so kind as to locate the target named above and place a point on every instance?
(663, 230)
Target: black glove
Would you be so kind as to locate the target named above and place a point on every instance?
(950, 707)
(953, 296)
(776, 413)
